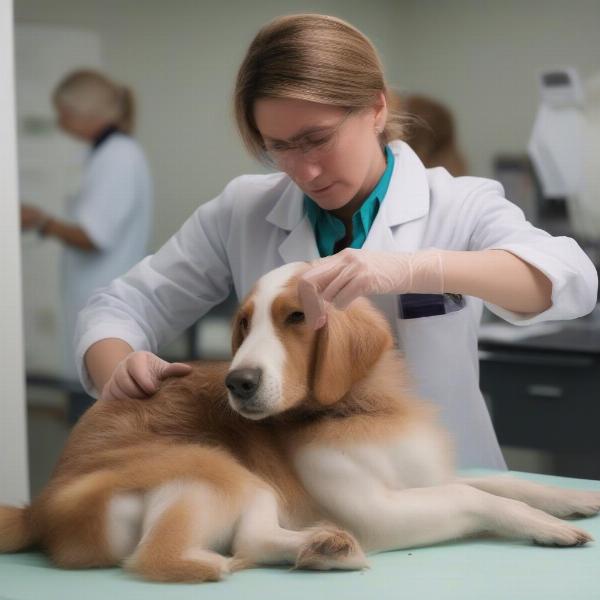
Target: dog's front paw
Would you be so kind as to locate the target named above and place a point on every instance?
(331, 548)
(574, 504)
(563, 536)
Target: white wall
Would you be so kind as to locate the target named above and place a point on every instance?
(14, 481)
(481, 57)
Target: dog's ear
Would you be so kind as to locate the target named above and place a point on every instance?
(347, 347)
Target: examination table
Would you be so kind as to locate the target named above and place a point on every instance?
(489, 569)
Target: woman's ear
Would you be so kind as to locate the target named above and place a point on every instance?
(381, 112)
(347, 347)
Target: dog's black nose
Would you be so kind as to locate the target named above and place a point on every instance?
(243, 383)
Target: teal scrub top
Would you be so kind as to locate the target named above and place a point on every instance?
(329, 230)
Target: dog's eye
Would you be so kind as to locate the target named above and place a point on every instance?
(295, 317)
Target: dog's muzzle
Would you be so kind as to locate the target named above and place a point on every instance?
(243, 383)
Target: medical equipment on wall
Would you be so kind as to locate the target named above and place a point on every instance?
(565, 146)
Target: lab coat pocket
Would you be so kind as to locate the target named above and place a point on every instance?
(414, 306)
(435, 334)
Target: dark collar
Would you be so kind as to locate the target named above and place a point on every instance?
(103, 136)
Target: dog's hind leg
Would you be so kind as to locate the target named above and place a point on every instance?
(394, 519)
(384, 518)
(259, 539)
(186, 524)
(560, 502)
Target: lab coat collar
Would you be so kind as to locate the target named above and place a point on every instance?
(407, 199)
(288, 214)
(289, 209)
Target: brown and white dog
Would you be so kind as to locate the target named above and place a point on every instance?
(308, 448)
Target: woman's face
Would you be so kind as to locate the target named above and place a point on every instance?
(82, 128)
(333, 156)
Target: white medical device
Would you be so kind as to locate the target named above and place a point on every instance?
(561, 88)
(565, 146)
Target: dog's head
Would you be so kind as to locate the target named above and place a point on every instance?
(279, 363)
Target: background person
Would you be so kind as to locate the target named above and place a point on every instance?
(109, 220)
(431, 132)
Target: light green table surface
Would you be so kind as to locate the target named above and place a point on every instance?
(486, 569)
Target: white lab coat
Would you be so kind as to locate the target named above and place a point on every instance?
(258, 223)
(114, 207)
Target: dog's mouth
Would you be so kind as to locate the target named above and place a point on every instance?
(253, 415)
(249, 411)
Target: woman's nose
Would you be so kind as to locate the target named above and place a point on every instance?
(303, 171)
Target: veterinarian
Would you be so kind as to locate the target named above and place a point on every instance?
(109, 220)
(310, 98)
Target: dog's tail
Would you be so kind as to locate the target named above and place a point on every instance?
(16, 529)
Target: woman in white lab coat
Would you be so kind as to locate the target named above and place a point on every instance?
(427, 247)
(109, 220)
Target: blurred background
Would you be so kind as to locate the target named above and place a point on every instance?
(505, 73)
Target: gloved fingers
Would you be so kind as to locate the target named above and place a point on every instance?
(112, 392)
(106, 393)
(142, 370)
(130, 384)
(346, 273)
(315, 313)
(354, 288)
(322, 272)
(311, 286)
(115, 391)
(175, 370)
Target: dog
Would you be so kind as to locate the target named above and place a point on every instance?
(308, 448)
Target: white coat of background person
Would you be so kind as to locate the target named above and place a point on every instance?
(310, 95)
(110, 218)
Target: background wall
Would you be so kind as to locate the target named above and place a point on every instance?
(14, 483)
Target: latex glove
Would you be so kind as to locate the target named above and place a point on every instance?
(351, 273)
(139, 375)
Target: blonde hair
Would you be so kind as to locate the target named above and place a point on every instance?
(310, 57)
(91, 94)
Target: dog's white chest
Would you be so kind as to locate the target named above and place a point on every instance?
(415, 460)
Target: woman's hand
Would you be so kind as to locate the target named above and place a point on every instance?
(32, 217)
(139, 375)
(345, 276)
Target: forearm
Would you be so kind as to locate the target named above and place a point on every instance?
(70, 234)
(102, 357)
(498, 277)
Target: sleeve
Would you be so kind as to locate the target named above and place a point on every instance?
(496, 223)
(166, 292)
(107, 200)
